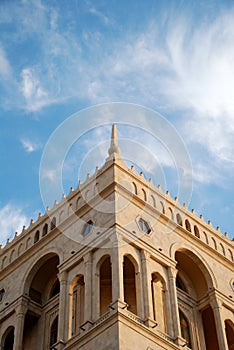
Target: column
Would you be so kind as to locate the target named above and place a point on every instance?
(147, 292)
(117, 276)
(19, 328)
(219, 322)
(88, 289)
(175, 320)
(63, 314)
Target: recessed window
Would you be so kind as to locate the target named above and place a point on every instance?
(2, 294)
(88, 228)
(144, 226)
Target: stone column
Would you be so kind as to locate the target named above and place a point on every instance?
(63, 314)
(117, 277)
(219, 322)
(19, 328)
(88, 289)
(175, 320)
(147, 292)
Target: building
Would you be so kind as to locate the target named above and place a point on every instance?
(117, 264)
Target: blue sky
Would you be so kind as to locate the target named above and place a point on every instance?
(60, 57)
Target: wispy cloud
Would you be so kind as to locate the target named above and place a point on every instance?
(5, 67)
(29, 146)
(12, 219)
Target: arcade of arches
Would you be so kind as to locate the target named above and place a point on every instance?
(192, 317)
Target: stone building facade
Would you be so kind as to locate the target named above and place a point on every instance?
(117, 264)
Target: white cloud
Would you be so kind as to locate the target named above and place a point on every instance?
(35, 95)
(12, 219)
(29, 146)
(5, 67)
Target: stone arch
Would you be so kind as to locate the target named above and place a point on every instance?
(61, 216)
(197, 259)
(162, 207)
(171, 213)
(4, 261)
(222, 249)
(38, 271)
(230, 254)
(28, 242)
(229, 330)
(53, 223)
(196, 231)
(144, 195)
(54, 331)
(36, 236)
(179, 219)
(76, 304)
(104, 271)
(158, 288)
(135, 188)
(187, 225)
(214, 243)
(12, 256)
(45, 230)
(206, 237)
(7, 341)
(20, 249)
(153, 201)
(130, 268)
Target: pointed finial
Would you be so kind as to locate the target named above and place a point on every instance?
(114, 148)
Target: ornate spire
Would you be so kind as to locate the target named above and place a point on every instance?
(114, 148)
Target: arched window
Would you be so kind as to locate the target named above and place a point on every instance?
(9, 339)
(180, 284)
(184, 327)
(2, 294)
(135, 187)
(129, 285)
(171, 213)
(87, 228)
(144, 195)
(229, 329)
(105, 286)
(144, 226)
(187, 225)
(45, 230)
(158, 298)
(77, 300)
(179, 219)
(153, 201)
(196, 232)
(54, 332)
(53, 223)
(230, 254)
(214, 243)
(55, 289)
(222, 249)
(163, 208)
(37, 236)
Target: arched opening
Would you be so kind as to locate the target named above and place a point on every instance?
(229, 329)
(2, 294)
(171, 213)
(135, 187)
(8, 339)
(105, 285)
(158, 297)
(37, 236)
(179, 219)
(209, 329)
(153, 201)
(87, 228)
(45, 272)
(129, 285)
(53, 223)
(144, 195)
(162, 207)
(77, 300)
(187, 225)
(196, 232)
(184, 327)
(194, 279)
(45, 230)
(54, 332)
